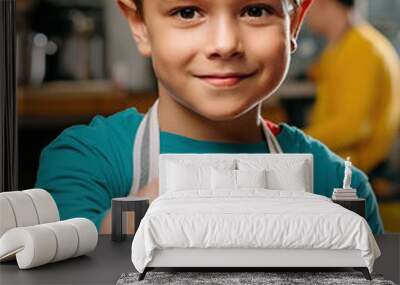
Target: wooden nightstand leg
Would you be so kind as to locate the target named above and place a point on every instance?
(117, 222)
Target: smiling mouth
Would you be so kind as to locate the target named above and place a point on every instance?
(228, 80)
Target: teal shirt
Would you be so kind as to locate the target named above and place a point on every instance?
(88, 165)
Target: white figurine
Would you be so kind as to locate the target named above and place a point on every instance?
(346, 192)
(347, 174)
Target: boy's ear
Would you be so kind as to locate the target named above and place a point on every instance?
(296, 20)
(137, 25)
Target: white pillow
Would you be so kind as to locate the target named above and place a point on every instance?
(251, 178)
(282, 174)
(229, 180)
(189, 177)
(293, 179)
(223, 179)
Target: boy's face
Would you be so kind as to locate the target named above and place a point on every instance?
(218, 58)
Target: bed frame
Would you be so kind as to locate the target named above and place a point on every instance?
(242, 260)
(251, 259)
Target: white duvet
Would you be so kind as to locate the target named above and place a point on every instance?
(252, 218)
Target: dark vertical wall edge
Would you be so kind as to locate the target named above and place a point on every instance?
(8, 107)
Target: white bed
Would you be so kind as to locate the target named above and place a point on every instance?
(249, 227)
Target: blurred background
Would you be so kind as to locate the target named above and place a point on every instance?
(76, 59)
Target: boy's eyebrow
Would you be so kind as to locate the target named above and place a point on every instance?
(169, 2)
(173, 1)
(166, 3)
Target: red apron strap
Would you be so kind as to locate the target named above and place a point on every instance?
(274, 128)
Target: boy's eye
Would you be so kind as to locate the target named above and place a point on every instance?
(186, 13)
(257, 11)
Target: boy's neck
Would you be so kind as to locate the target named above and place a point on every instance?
(189, 124)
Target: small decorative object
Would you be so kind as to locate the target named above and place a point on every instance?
(346, 192)
(347, 174)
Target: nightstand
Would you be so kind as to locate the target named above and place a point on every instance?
(357, 205)
(119, 208)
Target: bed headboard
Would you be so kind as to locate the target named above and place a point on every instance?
(214, 157)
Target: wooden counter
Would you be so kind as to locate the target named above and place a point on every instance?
(77, 102)
(78, 99)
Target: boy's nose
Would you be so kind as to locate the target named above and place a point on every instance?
(224, 40)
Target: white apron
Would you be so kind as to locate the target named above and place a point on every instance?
(146, 148)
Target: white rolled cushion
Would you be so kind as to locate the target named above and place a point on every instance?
(40, 244)
(7, 218)
(251, 178)
(87, 235)
(282, 174)
(45, 205)
(23, 208)
(33, 246)
(223, 179)
(181, 177)
(67, 240)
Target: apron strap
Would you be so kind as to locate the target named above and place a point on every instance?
(272, 142)
(146, 148)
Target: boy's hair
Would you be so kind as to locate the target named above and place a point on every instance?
(295, 3)
(139, 6)
(348, 3)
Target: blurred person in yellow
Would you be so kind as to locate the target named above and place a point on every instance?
(357, 109)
